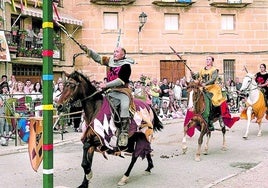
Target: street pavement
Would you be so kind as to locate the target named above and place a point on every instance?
(255, 177)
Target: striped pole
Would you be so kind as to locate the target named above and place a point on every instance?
(47, 94)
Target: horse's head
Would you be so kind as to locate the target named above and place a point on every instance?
(194, 94)
(248, 82)
(76, 88)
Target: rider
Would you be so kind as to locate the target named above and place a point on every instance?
(208, 76)
(117, 79)
(262, 80)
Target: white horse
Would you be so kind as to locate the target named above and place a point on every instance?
(256, 107)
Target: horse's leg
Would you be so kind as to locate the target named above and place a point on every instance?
(186, 127)
(223, 130)
(249, 112)
(205, 152)
(260, 130)
(184, 146)
(125, 178)
(150, 164)
(200, 141)
(88, 152)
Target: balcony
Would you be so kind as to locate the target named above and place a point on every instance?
(19, 48)
(174, 3)
(112, 2)
(230, 3)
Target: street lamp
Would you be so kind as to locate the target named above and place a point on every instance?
(143, 19)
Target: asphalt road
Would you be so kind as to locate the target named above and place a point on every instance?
(171, 167)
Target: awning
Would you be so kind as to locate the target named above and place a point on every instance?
(64, 18)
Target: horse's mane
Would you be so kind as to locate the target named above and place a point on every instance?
(252, 76)
(79, 77)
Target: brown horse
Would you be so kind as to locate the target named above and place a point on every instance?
(198, 113)
(101, 133)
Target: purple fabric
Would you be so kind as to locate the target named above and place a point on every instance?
(105, 127)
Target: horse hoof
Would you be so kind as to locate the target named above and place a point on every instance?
(205, 152)
(224, 149)
(197, 159)
(123, 181)
(245, 137)
(259, 134)
(146, 173)
(89, 176)
(184, 150)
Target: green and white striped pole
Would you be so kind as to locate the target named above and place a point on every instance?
(47, 94)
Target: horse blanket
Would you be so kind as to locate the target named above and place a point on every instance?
(225, 114)
(259, 109)
(104, 123)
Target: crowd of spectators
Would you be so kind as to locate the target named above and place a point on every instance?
(168, 99)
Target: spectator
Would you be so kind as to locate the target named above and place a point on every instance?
(4, 79)
(183, 85)
(238, 84)
(155, 93)
(28, 88)
(177, 91)
(30, 37)
(57, 93)
(4, 127)
(39, 41)
(19, 92)
(165, 112)
(37, 92)
(59, 80)
(165, 91)
(139, 91)
(148, 95)
(12, 82)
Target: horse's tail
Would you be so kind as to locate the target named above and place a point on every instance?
(158, 125)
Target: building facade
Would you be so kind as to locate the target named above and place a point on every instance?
(234, 32)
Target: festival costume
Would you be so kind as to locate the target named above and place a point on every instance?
(259, 108)
(118, 76)
(261, 79)
(214, 93)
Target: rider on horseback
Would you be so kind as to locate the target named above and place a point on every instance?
(261, 79)
(118, 76)
(207, 77)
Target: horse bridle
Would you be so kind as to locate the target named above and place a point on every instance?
(247, 88)
(199, 93)
(77, 103)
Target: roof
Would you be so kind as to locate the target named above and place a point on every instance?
(36, 12)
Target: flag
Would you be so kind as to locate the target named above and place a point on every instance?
(4, 50)
(13, 5)
(35, 145)
(56, 11)
(21, 5)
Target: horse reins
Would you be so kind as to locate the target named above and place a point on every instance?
(248, 89)
(79, 101)
(198, 96)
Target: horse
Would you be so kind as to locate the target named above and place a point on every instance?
(101, 132)
(256, 106)
(198, 112)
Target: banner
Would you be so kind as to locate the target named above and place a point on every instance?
(4, 50)
(35, 145)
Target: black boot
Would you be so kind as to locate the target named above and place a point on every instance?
(210, 126)
(123, 136)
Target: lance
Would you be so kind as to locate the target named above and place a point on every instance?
(180, 58)
(118, 39)
(245, 68)
(70, 36)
